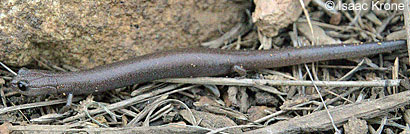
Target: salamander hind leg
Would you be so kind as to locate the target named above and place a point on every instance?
(240, 70)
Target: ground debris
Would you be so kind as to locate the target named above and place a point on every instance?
(320, 120)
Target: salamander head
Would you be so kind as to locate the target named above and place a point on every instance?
(33, 82)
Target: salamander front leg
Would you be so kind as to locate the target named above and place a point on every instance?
(68, 104)
(69, 99)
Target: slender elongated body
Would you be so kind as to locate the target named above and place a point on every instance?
(184, 63)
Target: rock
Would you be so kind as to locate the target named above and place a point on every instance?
(88, 33)
(209, 120)
(206, 100)
(397, 35)
(5, 128)
(272, 15)
(319, 37)
(258, 112)
(355, 126)
(265, 98)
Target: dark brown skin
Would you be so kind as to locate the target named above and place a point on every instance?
(184, 63)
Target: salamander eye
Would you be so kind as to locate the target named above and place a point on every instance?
(22, 85)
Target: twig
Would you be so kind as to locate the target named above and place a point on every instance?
(172, 128)
(351, 72)
(161, 113)
(236, 31)
(302, 4)
(230, 127)
(32, 105)
(341, 28)
(8, 69)
(329, 26)
(386, 22)
(382, 124)
(100, 105)
(407, 23)
(145, 111)
(268, 117)
(341, 97)
(3, 97)
(319, 121)
(278, 73)
(124, 103)
(252, 82)
(146, 122)
(22, 114)
(323, 101)
(352, 67)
